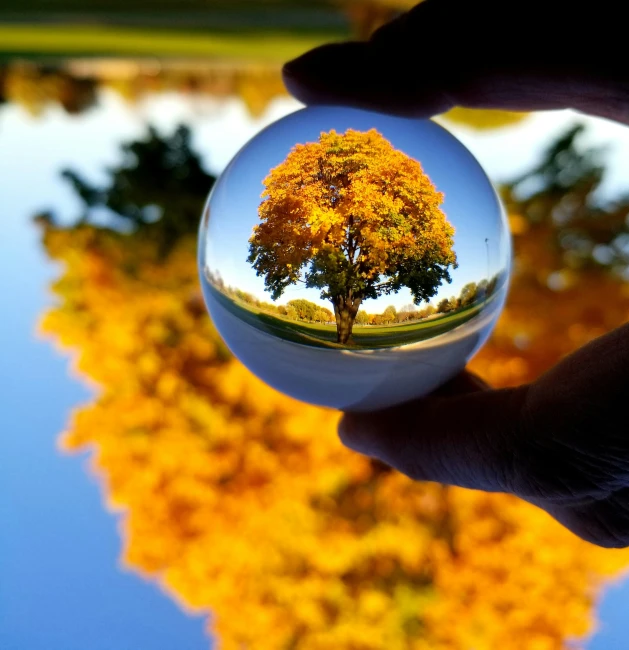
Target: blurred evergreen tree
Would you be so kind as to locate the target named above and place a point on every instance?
(158, 189)
(559, 195)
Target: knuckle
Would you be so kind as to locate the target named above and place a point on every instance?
(609, 521)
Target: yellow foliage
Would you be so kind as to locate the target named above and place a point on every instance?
(358, 217)
(483, 119)
(35, 89)
(243, 502)
(355, 182)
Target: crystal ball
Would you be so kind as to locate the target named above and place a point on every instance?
(352, 259)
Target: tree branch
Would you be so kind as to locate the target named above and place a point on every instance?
(351, 244)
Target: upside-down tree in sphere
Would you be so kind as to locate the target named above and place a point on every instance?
(354, 217)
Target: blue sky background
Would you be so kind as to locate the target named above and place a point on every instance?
(61, 587)
(60, 584)
(470, 204)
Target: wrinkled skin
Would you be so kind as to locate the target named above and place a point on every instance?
(561, 442)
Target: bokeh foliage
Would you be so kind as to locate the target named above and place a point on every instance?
(244, 503)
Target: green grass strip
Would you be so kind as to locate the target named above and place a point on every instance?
(103, 39)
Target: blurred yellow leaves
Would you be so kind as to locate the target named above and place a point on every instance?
(244, 503)
(34, 88)
(482, 119)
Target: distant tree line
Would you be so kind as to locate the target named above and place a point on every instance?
(298, 309)
(74, 87)
(304, 310)
(471, 294)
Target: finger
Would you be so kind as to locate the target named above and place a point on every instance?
(604, 522)
(359, 75)
(468, 439)
(369, 79)
(576, 448)
(384, 73)
(464, 382)
(410, 68)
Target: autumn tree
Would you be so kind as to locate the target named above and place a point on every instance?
(389, 314)
(444, 306)
(156, 189)
(408, 312)
(306, 310)
(362, 317)
(568, 284)
(482, 290)
(329, 316)
(37, 87)
(234, 497)
(244, 296)
(356, 218)
(492, 284)
(309, 311)
(468, 294)
(323, 315)
(269, 307)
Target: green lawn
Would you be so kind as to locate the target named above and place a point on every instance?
(324, 336)
(47, 8)
(75, 40)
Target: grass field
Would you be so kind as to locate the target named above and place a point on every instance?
(324, 336)
(185, 7)
(97, 40)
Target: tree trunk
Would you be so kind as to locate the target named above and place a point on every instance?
(345, 310)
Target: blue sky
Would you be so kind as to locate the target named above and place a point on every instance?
(61, 587)
(60, 584)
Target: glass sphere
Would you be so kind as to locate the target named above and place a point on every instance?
(352, 259)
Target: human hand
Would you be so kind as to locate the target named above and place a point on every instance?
(446, 53)
(561, 442)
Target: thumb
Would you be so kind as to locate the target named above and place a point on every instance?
(403, 68)
(446, 53)
(470, 439)
(372, 75)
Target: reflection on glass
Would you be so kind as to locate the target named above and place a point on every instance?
(374, 235)
(244, 504)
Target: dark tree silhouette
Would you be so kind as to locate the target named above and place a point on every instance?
(159, 187)
(559, 196)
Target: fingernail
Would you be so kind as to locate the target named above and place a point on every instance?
(358, 75)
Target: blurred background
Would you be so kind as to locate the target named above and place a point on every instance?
(153, 494)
